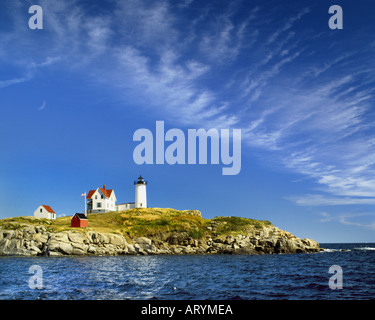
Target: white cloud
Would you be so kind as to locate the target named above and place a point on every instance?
(6, 83)
(347, 219)
(324, 200)
(31, 69)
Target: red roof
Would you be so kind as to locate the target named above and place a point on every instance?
(89, 195)
(48, 208)
(106, 192)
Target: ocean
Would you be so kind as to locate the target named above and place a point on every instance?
(195, 277)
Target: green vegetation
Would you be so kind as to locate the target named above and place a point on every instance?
(153, 221)
(196, 234)
(146, 222)
(228, 225)
(19, 222)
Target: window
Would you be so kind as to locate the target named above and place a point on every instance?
(96, 197)
(102, 197)
(41, 210)
(98, 205)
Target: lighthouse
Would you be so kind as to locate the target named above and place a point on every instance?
(140, 193)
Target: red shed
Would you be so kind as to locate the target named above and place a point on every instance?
(79, 220)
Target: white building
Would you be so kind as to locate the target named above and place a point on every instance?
(104, 200)
(101, 200)
(125, 206)
(140, 193)
(44, 212)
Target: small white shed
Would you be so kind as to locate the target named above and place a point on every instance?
(44, 212)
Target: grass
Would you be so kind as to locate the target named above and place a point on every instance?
(144, 222)
(20, 222)
(151, 222)
(229, 225)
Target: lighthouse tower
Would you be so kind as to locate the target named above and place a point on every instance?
(140, 193)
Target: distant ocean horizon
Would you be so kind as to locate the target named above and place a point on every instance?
(193, 277)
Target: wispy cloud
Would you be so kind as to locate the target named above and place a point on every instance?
(172, 85)
(346, 219)
(30, 70)
(324, 200)
(9, 82)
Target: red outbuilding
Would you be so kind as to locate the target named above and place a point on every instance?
(79, 220)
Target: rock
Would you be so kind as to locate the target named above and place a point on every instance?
(29, 230)
(54, 245)
(173, 240)
(196, 213)
(56, 254)
(142, 243)
(78, 251)
(76, 237)
(32, 241)
(131, 249)
(177, 250)
(102, 238)
(40, 239)
(40, 229)
(60, 237)
(66, 248)
(8, 234)
(35, 250)
(116, 240)
(235, 246)
(91, 249)
(230, 239)
(92, 237)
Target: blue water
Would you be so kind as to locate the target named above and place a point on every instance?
(216, 277)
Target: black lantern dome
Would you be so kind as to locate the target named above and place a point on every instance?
(140, 181)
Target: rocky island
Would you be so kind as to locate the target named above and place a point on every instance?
(147, 231)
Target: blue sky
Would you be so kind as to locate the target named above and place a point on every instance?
(74, 93)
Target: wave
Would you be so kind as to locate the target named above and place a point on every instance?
(348, 250)
(335, 250)
(365, 248)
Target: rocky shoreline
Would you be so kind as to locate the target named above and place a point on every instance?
(30, 240)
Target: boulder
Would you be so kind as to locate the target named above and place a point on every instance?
(117, 240)
(77, 237)
(40, 238)
(91, 249)
(130, 249)
(143, 243)
(65, 248)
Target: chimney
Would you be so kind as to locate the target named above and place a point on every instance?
(104, 186)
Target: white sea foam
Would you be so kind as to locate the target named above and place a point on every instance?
(365, 248)
(330, 250)
(335, 250)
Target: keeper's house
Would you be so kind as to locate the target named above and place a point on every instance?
(101, 200)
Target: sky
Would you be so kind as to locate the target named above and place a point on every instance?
(73, 94)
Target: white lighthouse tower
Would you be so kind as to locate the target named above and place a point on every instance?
(140, 193)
